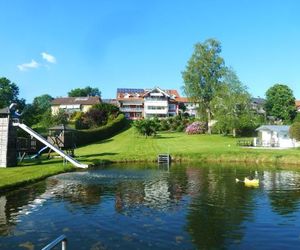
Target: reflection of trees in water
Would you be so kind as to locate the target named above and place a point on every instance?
(162, 192)
(81, 194)
(284, 191)
(15, 201)
(218, 207)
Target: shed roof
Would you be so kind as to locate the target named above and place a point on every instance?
(61, 127)
(87, 100)
(258, 100)
(275, 128)
(4, 111)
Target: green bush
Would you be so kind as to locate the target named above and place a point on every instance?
(108, 108)
(297, 118)
(98, 115)
(295, 131)
(146, 127)
(84, 137)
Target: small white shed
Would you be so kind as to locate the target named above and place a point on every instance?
(274, 136)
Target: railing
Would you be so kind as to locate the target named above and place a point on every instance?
(164, 158)
(131, 109)
(263, 143)
(61, 239)
(245, 143)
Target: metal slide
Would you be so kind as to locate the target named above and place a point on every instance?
(44, 141)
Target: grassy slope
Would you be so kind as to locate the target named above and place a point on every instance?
(17, 176)
(128, 146)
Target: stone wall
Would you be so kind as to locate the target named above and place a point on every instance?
(8, 152)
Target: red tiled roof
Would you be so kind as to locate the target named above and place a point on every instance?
(182, 99)
(132, 93)
(172, 92)
(89, 100)
(130, 99)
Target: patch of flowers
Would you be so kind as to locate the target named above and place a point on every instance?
(196, 128)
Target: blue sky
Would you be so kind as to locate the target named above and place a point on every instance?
(54, 46)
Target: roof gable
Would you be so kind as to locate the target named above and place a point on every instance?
(88, 100)
(158, 91)
(274, 128)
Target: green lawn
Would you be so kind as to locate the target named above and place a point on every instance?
(129, 146)
(28, 173)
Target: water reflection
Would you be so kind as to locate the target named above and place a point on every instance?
(182, 207)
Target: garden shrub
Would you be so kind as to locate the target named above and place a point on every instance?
(146, 127)
(295, 131)
(84, 137)
(196, 128)
(97, 116)
(164, 125)
(108, 108)
(60, 118)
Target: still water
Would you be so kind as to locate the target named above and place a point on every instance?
(134, 207)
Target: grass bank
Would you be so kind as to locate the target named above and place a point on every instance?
(26, 174)
(128, 146)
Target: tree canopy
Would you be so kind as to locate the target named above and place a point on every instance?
(231, 105)
(280, 103)
(203, 74)
(87, 91)
(42, 103)
(9, 92)
(295, 131)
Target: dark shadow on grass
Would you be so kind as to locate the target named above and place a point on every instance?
(28, 163)
(102, 141)
(163, 137)
(96, 155)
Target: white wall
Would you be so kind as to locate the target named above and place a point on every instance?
(162, 104)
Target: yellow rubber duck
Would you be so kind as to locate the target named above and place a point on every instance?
(249, 182)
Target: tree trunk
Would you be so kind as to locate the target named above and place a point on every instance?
(234, 132)
(208, 121)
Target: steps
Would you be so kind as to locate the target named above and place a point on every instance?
(164, 159)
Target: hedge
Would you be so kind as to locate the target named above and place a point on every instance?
(87, 136)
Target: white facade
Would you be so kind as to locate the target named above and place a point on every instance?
(154, 106)
(147, 103)
(191, 108)
(274, 136)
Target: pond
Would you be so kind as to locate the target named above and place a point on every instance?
(150, 207)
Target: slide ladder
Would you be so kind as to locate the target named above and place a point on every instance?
(49, 145)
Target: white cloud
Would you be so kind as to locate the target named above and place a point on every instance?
(49, 58)
(26, 66)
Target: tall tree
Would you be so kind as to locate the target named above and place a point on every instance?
(42, 103)
(202, 75)
(280, 103)
(87, 91)
(9, 92)
(231, 105)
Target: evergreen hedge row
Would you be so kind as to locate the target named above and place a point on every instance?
(87, 136)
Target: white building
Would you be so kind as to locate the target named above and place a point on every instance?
(73, 104)
(274, 136)
(159, 103)
(146, 103)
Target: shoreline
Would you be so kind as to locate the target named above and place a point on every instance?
(284, 161)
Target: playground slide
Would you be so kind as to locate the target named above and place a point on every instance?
(49, 145)
(39, 153)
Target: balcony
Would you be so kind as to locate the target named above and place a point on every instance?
(125, 109)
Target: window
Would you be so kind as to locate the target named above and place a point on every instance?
(156, 107)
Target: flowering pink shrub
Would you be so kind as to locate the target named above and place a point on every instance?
(196, 128)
